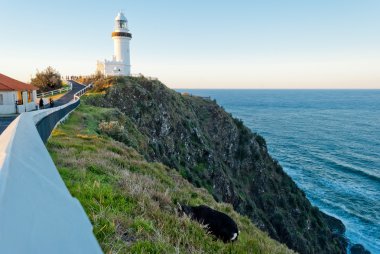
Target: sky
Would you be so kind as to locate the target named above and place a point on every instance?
(265, 44)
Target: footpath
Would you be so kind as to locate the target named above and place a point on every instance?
(6, 120)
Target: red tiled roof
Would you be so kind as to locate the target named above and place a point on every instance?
(10, 84)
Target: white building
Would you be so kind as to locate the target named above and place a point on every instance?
(120, 64)
(16, 96)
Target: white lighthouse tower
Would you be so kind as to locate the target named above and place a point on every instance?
(120, 65)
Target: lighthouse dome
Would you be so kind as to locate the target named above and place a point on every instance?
(121, 23)
(120, 17)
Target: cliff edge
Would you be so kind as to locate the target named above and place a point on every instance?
(213, 150)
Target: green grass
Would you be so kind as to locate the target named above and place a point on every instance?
(132, 203)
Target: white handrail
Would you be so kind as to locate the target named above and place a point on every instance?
(57, 91)
(37, 212)
(78, 94)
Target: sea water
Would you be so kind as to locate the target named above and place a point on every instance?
(328, 141)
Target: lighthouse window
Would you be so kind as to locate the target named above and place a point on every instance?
(122, 24)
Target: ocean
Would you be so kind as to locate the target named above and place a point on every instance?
(328, 141)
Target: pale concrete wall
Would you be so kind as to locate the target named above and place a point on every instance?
(9, 99)
(34, 95)
(7, 109)
(110, 67)
(8, 106)
(30, 106)
(37, 212)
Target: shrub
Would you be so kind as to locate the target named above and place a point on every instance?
(113, 129)
(47, 80)
(95, 100)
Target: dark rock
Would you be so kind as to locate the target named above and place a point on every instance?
(338, 230)
(336, 225)
(358, 249)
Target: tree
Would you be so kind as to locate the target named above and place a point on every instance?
(47, 80)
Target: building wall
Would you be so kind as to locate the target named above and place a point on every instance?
(114, 68)
(7, 109)
(27, 107)
(9, 98)
(9, 101)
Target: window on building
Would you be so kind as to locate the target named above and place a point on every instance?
(1, 99)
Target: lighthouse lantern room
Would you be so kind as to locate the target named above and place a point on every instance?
(120, 64)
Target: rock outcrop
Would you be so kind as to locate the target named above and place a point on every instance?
(216, 151)
(358, 249)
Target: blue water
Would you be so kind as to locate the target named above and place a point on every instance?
(328, 141)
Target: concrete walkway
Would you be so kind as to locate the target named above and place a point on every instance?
(70, 95)
(6, 120)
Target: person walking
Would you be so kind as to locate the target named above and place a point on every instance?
(41, 103)
(51, 102)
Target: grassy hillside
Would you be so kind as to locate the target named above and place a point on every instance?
(215, 151)
(132, 202)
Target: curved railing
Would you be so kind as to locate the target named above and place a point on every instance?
(54, 92)
(37, 212)
(46, 121)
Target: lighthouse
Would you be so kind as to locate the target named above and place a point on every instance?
(120, 65)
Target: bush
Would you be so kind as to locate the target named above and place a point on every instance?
(97, 100)
(47, 80)
(113, 129)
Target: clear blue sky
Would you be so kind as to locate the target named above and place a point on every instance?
(201, 44)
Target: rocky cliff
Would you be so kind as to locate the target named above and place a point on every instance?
(213, 150)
